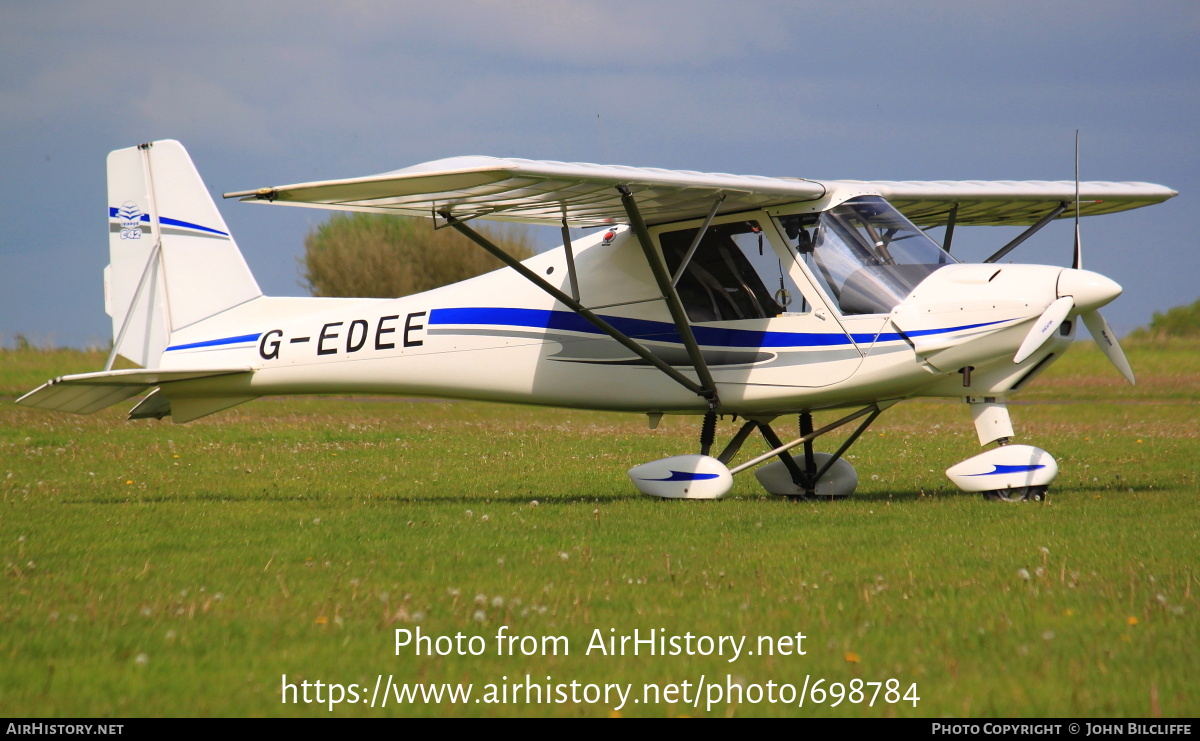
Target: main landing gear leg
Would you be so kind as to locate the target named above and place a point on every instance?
(823, 476)
(708, 430)
(1008, 473)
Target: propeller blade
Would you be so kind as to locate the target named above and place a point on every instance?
(1077, 261)
(1045, 327)
(1107, 341)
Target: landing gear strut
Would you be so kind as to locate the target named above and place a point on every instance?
(821, 475)
(1006, 473)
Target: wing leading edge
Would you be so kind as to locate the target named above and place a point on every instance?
(541, 192)
(1012, 202)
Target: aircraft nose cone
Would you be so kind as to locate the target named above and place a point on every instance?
(1090, 290)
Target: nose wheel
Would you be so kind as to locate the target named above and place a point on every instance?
(1006, 473)
(1018, 494)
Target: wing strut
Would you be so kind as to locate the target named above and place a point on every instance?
(708, 386)
(577, 307)
(712, 213)
(1028, 233)
(949, 237)
(566, 236)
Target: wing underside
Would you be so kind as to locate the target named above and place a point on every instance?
(540, 192)
(1012, 202)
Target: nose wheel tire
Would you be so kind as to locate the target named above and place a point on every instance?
(1017, 494)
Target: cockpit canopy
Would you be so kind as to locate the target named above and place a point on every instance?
(865, 254)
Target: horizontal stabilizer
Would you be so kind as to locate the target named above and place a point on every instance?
(156, 405)
(85, 393)
(182, 409)
(185, 409)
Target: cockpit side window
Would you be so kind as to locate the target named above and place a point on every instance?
(734, 273)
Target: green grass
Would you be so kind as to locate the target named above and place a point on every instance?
(153, 569)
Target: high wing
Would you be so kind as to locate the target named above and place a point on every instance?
(540, 192)
(584, 194)
(1012, 202)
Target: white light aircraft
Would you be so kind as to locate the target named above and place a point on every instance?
(714, 295)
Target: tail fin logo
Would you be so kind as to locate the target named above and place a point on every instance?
(130, 217)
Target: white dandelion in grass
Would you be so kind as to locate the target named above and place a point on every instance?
(1023, 573)
(497, 601)
(479, 616)
(481, 599)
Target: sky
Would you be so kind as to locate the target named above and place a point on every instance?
(268, 93)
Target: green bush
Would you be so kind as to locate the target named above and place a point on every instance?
(1181, 321)
(367, 255)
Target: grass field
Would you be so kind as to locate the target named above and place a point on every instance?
(153, 569)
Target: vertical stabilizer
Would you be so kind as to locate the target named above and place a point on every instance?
(172, 259)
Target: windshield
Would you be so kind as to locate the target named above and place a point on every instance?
(866, 255)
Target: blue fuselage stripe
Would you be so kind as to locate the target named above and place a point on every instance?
(645, 329)
(642, 329)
